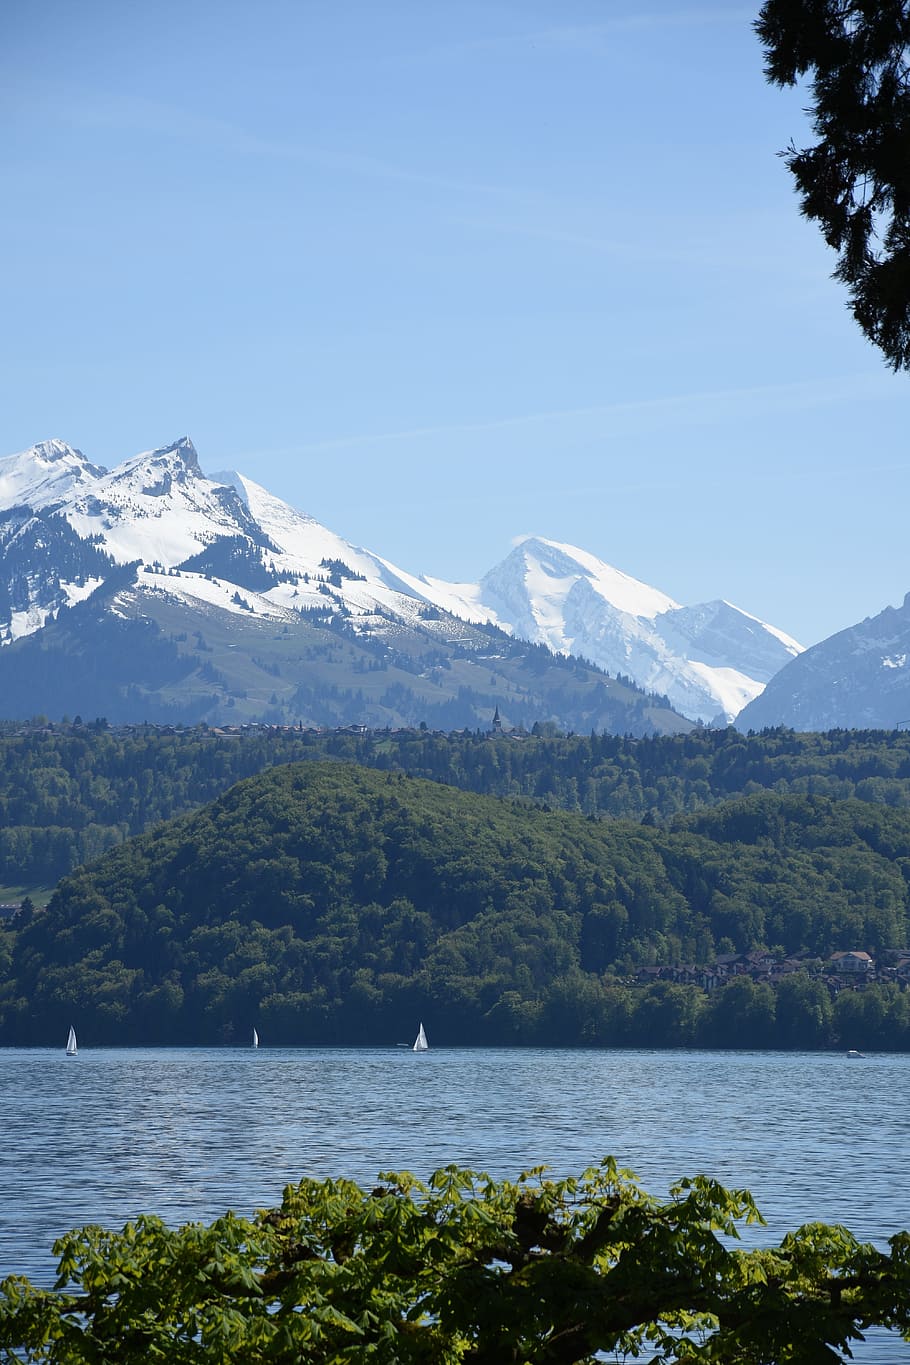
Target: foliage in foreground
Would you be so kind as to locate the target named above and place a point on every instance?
(463, 1268)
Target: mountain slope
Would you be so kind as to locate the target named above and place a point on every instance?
(856, 679)
(184, 648)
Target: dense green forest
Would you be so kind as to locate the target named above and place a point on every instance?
(325, 902)
(70, 793)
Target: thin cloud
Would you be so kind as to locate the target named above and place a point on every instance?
(506, 497)
(586, 38)
(582, 35)
(669, 410)
(713, 252)
(167, 120)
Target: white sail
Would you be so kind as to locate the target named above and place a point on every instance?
(255, 1038)
(71, 1043)
(421, 1044)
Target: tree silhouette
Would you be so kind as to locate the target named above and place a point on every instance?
(855, 181)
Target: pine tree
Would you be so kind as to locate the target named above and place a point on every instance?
(855, 181)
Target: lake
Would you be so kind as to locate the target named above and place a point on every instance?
(188, 1133)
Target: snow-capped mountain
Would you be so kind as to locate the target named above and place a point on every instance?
(223, 544)
(857, 679)
(195, 537)
(709, 660)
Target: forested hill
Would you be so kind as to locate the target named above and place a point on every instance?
(330, 903)
(70, 793)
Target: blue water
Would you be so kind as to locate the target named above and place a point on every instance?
(190, 1133)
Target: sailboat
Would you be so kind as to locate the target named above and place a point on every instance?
(71, 1048)
(255, 1038)
(421, 1044)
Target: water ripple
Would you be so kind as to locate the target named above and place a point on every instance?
(188, 1133)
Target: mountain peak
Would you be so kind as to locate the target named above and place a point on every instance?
(548, 568)
(184, 450)
(557, 559)
(55, 449)
(44, 474)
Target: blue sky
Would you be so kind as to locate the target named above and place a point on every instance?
(443, 274)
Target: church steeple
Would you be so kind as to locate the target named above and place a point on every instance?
(497, 723)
